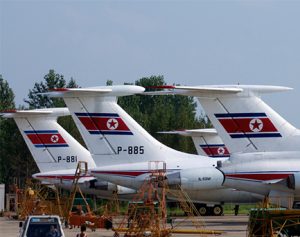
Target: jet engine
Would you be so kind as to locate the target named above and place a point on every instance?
(102, 185)
(107, 186)
(203, 178)
(293, 182)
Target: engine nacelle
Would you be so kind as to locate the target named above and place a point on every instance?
(123, 190)
(294, 182)
(102, 185)
(197, 178)
(107, 186)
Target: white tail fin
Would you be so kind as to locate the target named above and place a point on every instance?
(243, 121)
(111, 135)
(52, 147)
(207, 141)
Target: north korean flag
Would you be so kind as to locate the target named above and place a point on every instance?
(46, 138)
(104, 123)
(250, 125)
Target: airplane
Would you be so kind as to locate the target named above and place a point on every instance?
(264, 146)
(123, 150)
(207, 142)
(57, 153)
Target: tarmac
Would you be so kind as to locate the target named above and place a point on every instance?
(233, 226)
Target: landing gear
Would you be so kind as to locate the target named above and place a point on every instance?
(217, 210)
(204, 210)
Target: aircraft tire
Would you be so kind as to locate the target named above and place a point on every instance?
(217, 210)
(203, 210)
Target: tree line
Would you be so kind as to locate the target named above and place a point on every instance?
(154, 113)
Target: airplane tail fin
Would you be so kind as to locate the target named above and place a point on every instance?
(111, 135)
(244, 121)
(51, 146)
(206, 141)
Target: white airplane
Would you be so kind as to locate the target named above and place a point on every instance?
(57, 153)
(265, 147)
(122, 149)
(207, 142)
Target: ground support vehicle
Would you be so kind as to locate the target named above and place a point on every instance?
(41, 225)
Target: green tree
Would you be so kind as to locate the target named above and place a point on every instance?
(72, 83)
(109, 82)
(6, 103)
(163, 113)
(15, 160)
(6, 95)
(53, 80)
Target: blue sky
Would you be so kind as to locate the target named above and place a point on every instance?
(189, 42)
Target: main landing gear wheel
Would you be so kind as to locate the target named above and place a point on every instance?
(217, 210)
(203, 210)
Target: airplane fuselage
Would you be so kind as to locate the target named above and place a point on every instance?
(265, 173)
(202, 183)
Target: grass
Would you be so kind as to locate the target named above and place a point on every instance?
(176, 211)
(244, 208)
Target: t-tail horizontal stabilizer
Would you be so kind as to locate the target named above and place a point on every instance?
(97, 124)
(206, 141)
(51, 146)
(243, 121)
(112, 135)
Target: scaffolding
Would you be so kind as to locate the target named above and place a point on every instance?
(35, 199)
(266, 221)
(77, 218)
(112, 207)
(147, 213)
(81, 170)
